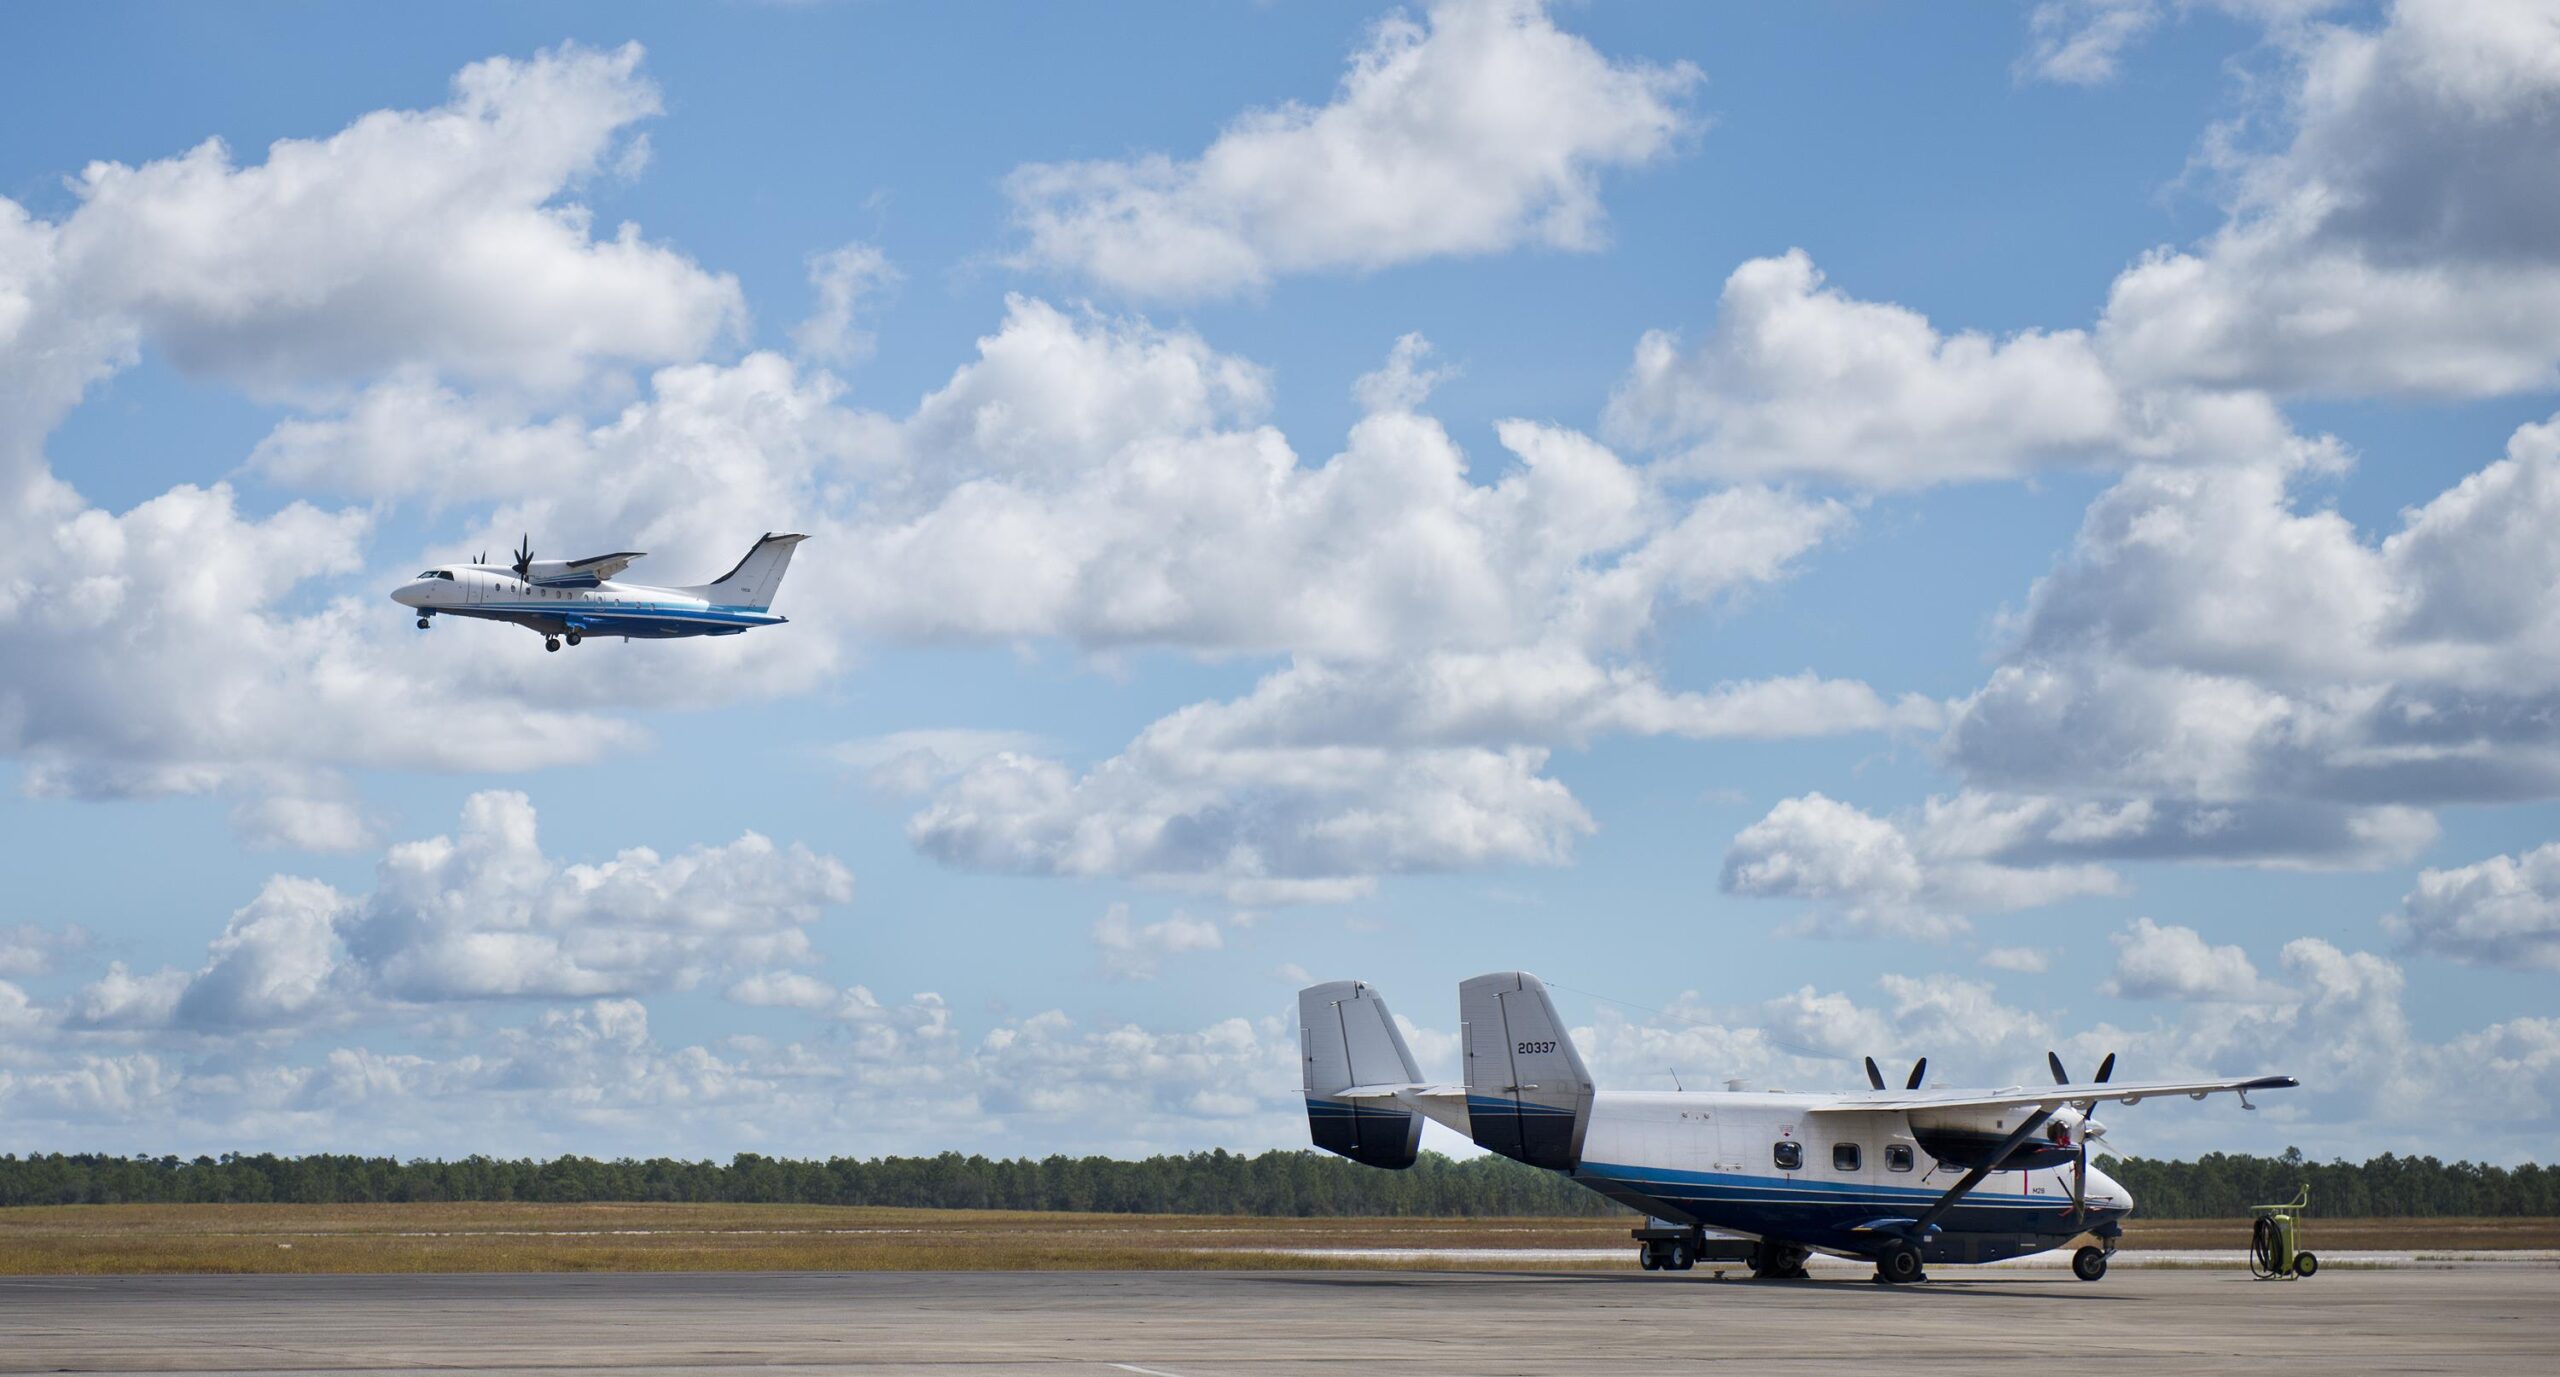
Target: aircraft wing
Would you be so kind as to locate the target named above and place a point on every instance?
(601, 567)
(2122, 1092)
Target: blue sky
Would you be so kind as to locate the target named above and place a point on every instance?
(1820, 531)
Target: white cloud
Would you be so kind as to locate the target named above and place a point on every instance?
(1474, 130)
(27, 949)
(2313, 721)
(1134, 951)
(914, 761)
(1797, 378)
(844, 279)
(437, 238)
(2504, 911)
(2155, 961)
(483, 914)
(2079, 42)
(1918, 878)
(2018, 960)
(2394, 242)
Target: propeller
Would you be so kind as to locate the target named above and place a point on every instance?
(524, 559)
(2089, 1128)
(1875, 1076)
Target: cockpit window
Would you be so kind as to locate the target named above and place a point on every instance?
(446, 574)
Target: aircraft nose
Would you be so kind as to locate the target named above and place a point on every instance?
(410, 595)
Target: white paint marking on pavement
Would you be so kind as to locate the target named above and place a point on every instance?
(1149, 1371)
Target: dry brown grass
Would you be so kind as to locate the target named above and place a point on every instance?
(658, 1238)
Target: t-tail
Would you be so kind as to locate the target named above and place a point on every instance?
(1528, 1094)
(1349, 1042)
(753, 582)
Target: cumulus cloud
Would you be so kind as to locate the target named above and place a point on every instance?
(1134, 951)
(27, 949)
(843, 278)
(1474, 129)
(437, 238)
(484, 914)
(2314, 721)
(2165, 961)
(1917, 878)
(2393, 242)
(1797, 378)
(2332, 1017)
(2504, 911)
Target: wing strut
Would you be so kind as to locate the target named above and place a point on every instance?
(1974, 1177)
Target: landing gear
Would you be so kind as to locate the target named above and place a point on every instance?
(551, 643)
(1899, 1264)
(1778, 1262)
(2089, 1263)
(574, 638)
(422, 623)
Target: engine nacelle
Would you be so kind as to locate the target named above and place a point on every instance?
(1967, 1137)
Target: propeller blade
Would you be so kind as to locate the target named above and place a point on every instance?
(1875, 1078)
(524, 558)
(2060, 1076)
(2106, 1068)
(2080, 1180)
(1918, 1069)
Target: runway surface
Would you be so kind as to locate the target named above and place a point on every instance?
(2487, 1319)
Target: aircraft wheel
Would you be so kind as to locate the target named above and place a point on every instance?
(422, 623)
(574, 638)
(1898, 1264)
(2305, 1264)
(2089, 1264)
(551, 643)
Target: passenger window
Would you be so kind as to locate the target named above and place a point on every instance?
(1788, 1156)
(1897, 1157)
(1844, 1156)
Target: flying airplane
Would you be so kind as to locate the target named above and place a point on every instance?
(1888, 1175)
(573, 599)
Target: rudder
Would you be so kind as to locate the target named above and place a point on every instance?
(753, 581)
(1528, 1094)
(1347, 1038)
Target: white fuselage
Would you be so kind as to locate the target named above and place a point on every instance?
(1719, 1159)
(606, 608)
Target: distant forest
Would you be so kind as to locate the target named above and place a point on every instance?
(1295, 1183)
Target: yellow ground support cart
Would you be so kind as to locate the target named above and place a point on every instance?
(2274, 1251)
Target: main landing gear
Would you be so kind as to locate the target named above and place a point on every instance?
(553, 642)
(1899, 1264)
(1778, 1262)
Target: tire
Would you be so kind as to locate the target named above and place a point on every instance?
(551, 643)
(1898, 1264)
(2089, 1264)
(1648, 1259)
(574, 638)
(1681, 1258)
(422, 623)
(2305, 1264)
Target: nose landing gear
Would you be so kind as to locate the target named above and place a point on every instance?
(422, 623)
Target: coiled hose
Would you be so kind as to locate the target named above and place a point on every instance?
(2262, 1249)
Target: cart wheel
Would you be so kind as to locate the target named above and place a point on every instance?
(1646, 1256)
(2089, 1264)
(2304, 1264)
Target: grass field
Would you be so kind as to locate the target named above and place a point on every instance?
(94, 1239)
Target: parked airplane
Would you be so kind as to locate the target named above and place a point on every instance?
(1855, 1175)
(577, 598)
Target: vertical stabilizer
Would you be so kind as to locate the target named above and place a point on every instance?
(753, 582)
(1528, 1095)
(1347, 1039)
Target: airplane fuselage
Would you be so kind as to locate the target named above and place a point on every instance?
(1720, 1160)
(601, 608)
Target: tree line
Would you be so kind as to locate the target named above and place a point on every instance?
(1296, 1183)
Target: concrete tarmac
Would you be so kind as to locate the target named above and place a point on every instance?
(2479, 1320)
